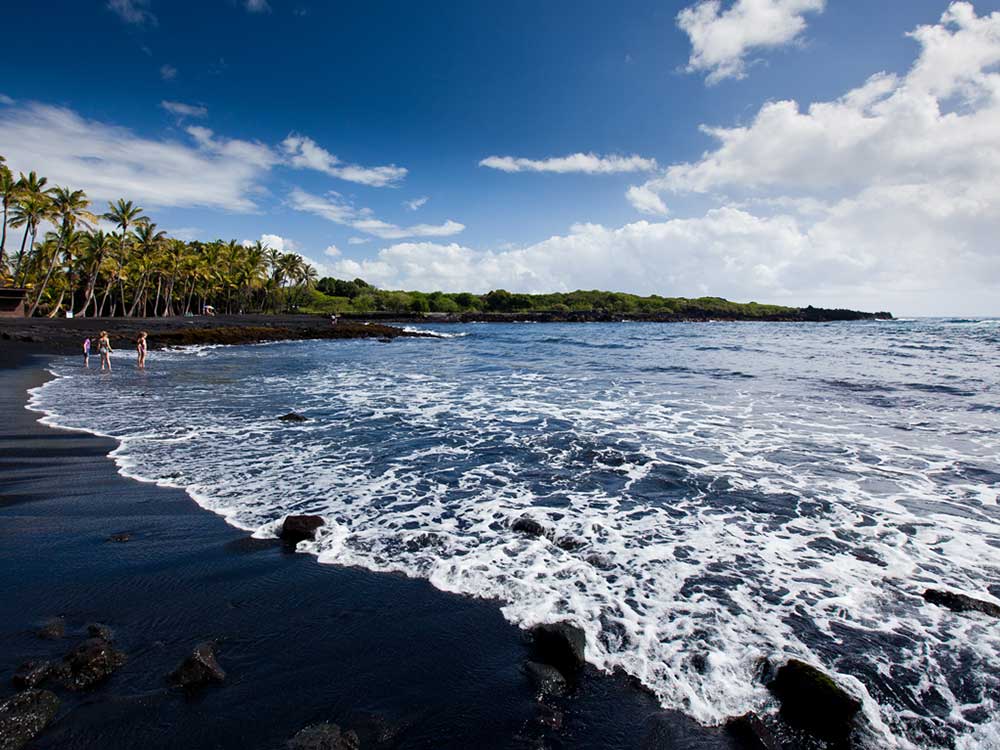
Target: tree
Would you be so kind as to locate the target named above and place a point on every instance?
(9, 190)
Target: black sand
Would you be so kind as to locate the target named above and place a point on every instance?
(301, 642)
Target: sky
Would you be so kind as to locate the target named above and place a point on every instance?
(829, 152)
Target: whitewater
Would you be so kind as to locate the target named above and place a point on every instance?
(716, 494)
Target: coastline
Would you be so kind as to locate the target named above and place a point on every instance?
(302, 642)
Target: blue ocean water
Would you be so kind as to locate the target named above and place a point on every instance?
(716, 494)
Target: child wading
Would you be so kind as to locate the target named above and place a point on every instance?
(86, 352)
(140, 347)
(104, 349)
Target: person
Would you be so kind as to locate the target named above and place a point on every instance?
(333, 320)
(140, 347)
(86, 352)
(104, 349)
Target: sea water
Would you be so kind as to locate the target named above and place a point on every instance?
(717, 496)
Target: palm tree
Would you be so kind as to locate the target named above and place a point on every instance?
(97, 247)
(70, 206)
(9, 190)
(30, 211)
(148, 242)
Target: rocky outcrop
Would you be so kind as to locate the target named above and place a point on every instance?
(199, 669)
(324, 737)
(752, 733)
(120, 538)
(812, 701)
(97, 630)
(90, 663)
(293, 417)
(53, 629)
(561, 645)
(32, 674)
(547, 679)
(24, 716)
(529, 526)
(295, 529)
(961, 602)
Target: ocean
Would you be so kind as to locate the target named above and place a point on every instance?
(716, 496)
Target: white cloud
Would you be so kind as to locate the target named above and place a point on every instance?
(722, 39)
(110, 162)
(358, 240)
(646, 201)
(276, 242)
(168, 72)
(6, 100)
(305, 153)
(133, 11)
(416, 203)
(585, 163)
(332, 251)
(184, 110)
(257, 6)
(335, 209)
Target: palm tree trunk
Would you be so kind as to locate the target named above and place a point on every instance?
(3, 237)
(55, 310)
(45, 283)
(20, 255)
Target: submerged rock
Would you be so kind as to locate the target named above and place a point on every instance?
(570, 543)
(199, 669)
(295, 529)
(24, 716)
(529, 526)
(120, 538)
(752, 733)
(53, 629)
(97, 630)
(324, 737)
(547, 679)
(961, 602)
(32, 674)
(293, 417)
(812, 701)
(91, 662)
(562, 645)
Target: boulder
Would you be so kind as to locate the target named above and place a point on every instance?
(324, 737)
(32, 674)
(120, 538)
(199, 669)
(812, 701)
(295, 529)
(547, 679)
(97, 630)
(24, 716)
(561, 645)
(599, 561)
(91, 662)
(570, 543)
(961, 602)
(752, 733)
(293, 417)
(53, 629)
(529, 526)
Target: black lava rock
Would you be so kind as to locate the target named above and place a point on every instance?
(91, 662)
(97, 630)
(24, 716)
(298, 528)
(293, 417)
(547, 679)
(199, 669)
(324, 737)
(961, 602)
(752, 733)
(562, 645)
(810, 700)
(570, 543)
(120, 538)
(53, 630)
(529, 526)
(32, 674)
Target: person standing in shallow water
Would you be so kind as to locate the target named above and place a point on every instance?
(86, 352)
(104, 349)
(140, 347)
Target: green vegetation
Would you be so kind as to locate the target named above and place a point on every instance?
(338, 296)
(136, 270)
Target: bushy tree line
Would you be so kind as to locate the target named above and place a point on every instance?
(136, 269)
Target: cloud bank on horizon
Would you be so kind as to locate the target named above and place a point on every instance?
(882, 195)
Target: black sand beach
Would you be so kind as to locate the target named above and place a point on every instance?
(403, 664)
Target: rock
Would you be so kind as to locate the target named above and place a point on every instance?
(570, 543)
(752, 733)
(32, 674)
(810, 700)
(547, 679)
(324, 737)
(562, 645)
(199, 669)
(24, 716)
(53, 630)
(120, 538)
(97, 630)
(529, 526)
(599, 561)
(88, 664)
(295, 529)
(293, 417)
(961, 602)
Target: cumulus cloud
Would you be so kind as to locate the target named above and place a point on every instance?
(184, 110)
(305, 153)
(358, 240)
(109, 161)
(276, 242)
(721, 39)
(416, 203)
(168, 72)
(135, 12)
(334, 208)
(646, 201)
(332, 251)
(581, 163)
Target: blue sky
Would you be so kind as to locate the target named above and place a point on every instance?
(317, 123)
